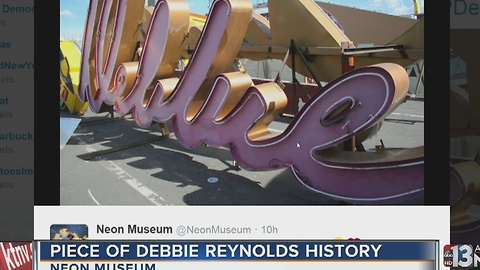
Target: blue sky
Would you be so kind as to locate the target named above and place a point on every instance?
(73, 13)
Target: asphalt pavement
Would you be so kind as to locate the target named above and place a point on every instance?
(109, 160)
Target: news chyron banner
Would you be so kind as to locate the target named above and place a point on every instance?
(231, 255)
(243, 237)
(16, 255)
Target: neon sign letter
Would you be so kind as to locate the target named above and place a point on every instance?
(210, 104)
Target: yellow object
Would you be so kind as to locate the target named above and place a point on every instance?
(70, 61)
(416, 7)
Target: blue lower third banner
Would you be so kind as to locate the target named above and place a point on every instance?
(156, 255)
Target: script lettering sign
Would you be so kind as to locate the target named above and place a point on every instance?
(208, 103)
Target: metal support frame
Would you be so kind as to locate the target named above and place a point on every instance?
(420, 77)
(347, 64)
(295, 49)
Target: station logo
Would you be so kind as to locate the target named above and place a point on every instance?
(16, 255)
(461, 255)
